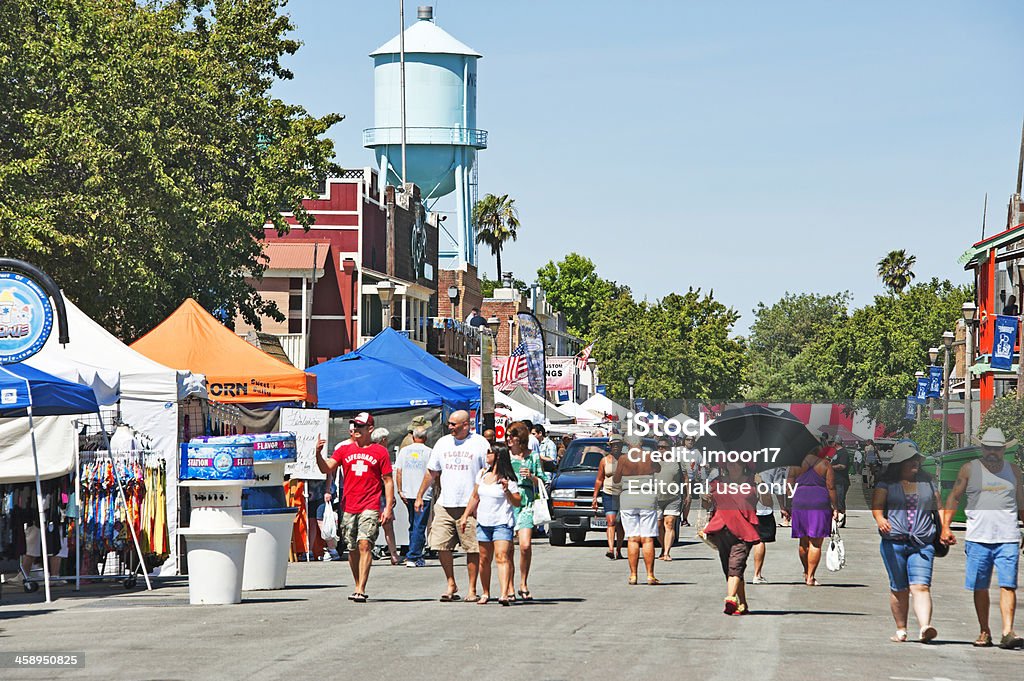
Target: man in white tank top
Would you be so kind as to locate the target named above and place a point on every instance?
(995, 502)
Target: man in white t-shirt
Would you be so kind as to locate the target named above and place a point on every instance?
(410, 467)
(455, 461)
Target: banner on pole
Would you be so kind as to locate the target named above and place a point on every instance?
(532, 337)
(934, 381)
(922, 390)
(911, 411)
(1002, 346)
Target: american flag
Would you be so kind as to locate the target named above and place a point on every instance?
(513, 370)
(585, 356)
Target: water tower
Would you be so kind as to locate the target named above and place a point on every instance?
(440, 128)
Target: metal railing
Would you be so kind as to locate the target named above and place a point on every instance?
(467, 137)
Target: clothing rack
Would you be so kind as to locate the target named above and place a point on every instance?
(106, 472)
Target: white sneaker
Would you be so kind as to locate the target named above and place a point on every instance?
(759, 580)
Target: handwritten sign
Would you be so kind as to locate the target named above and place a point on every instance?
(308, 425)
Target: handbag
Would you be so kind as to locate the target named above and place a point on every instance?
(835, 556)
(941, 550)
(541, 512)
(703, 518)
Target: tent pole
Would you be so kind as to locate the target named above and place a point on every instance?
(39, 499)
(124, 500)
(78, 521)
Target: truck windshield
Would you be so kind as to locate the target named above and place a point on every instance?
(581, 456)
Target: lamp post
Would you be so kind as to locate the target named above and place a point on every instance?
(386, 293)
(632, 381)
(1020, 339)
(947, 342)
(970, 311)
(453, 297)
(592, 365)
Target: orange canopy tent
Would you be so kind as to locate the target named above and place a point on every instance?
(236, 372)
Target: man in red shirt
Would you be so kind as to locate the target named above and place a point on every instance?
(365, 469)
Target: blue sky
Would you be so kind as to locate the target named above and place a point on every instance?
(751, 148)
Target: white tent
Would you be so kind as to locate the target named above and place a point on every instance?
(581, 415)
(105, 382)
(601, 404)
(150, 393)
(519, 411)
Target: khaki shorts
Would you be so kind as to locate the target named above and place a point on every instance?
(445, 533)
(357, 527)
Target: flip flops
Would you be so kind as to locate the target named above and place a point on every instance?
(928, 634)
(450, 597)
(525, 595)
(357, 597)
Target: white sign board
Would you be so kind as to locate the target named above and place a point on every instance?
(308, 426)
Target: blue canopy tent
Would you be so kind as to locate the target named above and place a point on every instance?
(391, 372)
(29, 392)
(394, 348)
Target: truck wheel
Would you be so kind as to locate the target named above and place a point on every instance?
(556, 536)
(578, 536)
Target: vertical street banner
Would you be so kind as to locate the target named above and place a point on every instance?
(911, 411)
(922, 390)
(1002, 345)
(934, 381)
(532, 337)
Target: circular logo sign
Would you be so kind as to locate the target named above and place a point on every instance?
(223, 462)
(26, 317)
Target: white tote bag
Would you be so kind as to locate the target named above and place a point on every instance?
(835, 557)
(541, 512)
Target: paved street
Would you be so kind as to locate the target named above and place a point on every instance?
(586, 623)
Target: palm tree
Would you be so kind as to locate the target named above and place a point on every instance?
(496, 219)
(894, 269)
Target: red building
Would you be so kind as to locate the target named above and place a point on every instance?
(325, 279)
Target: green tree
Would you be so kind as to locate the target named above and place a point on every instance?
(778, 367)
(573, 287)
(487, 286)
(142, 153)
(497, 221)
(679, 347)
(872, 357)
(1007, 414)
(895, 270)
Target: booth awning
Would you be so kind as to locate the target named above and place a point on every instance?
(297, 257)
(236, 372)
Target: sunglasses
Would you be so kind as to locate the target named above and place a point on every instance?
(452, 424)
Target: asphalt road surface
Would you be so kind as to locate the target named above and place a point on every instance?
(585, 623)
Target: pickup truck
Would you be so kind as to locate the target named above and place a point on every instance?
(572, 490)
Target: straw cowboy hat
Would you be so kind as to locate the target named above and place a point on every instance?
(903, 451)
(994, 437)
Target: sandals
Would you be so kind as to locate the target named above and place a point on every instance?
(732, 605)
(472, 598)
(610, 555)
(450, 597)
(899, 637)
(652, 580)
(482, 600)
(504, 602)
(928, 634)
(984, 640)
(357, 597)
(525, 595)
(632, 580)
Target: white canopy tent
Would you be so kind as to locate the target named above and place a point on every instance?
(581, 415)
(519, 411)
(601, 404)
(150, 393)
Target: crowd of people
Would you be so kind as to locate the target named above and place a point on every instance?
(471, 492)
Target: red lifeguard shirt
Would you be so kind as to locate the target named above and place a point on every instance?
(363, 469)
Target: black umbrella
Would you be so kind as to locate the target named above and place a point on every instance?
(765, 436)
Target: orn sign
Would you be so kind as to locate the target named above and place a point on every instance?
(26, 317)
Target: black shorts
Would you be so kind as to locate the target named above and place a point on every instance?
(766, 527)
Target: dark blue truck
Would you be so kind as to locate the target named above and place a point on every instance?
(572, 491)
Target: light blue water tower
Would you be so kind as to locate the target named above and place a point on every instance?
(441, 134)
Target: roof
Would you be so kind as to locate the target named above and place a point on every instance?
(426, 37)
(236, 372)
(268, 343)
(980, 249)
(296, 255)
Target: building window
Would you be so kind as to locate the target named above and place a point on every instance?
(295, 326)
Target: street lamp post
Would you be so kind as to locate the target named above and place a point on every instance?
(947, 341)
(592, 365)
(487, 372)
(632, 381)
(386, 292)
(970, 311)
(453, 297)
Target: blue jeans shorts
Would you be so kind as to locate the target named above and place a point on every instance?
(981, 558)
(610, 503)
(907, 564)
(493, 533)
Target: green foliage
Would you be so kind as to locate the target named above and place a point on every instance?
(487, 286)
(1007, 414)
(927, 433)
(678, 347)
(141, 150)
(895, 270)
(573, 287)
(496, 219)
(780, 367)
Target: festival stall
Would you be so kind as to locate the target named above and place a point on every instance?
(552, 413)
(25, 394)
(603, 406)
(153, 399)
